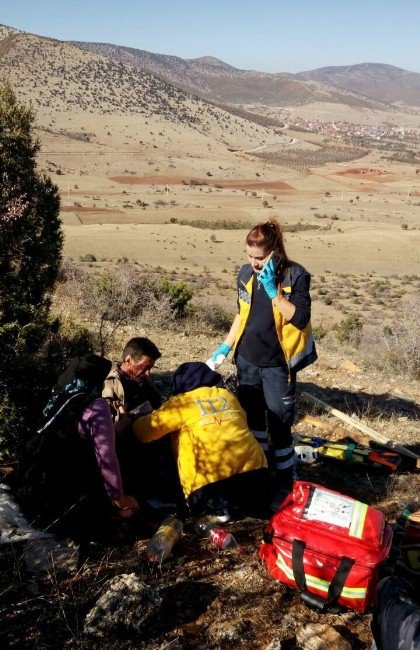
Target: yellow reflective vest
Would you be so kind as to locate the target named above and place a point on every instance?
(298, 345)
(211, 436)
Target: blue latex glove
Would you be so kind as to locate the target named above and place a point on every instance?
(223, 350)
(268, 279)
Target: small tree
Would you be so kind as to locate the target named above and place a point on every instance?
(30, 256)
(31, 238)
(113, 300)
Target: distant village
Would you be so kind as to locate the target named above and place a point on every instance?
(348, 130)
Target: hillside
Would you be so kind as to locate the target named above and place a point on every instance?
(84, 96)
(57, 75)
(384, 82)
(366, 85)
(223, 83)
(8, 31)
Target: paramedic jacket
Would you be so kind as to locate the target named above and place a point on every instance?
(295, 337)
(211, 438)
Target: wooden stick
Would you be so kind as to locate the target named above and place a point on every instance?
(317, 422)
(378, 437)
(334, 430)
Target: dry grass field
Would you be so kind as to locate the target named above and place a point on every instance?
(113, 199)
(360, 226)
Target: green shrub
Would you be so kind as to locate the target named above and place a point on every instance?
(29, 370)
(68, 338)
(179, 295)
(222, 224)
(89, 257)
(14, 431)
(349, 330)
(319, 333)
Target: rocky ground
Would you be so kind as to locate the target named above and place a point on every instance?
(107, 596)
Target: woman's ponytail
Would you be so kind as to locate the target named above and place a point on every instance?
(268, 235)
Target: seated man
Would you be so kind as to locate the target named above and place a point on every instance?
(128, 386)
(221, 466)
(148, 473)
(69, 479)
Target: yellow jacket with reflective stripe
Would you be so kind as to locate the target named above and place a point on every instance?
(298, 345)
(211, 436)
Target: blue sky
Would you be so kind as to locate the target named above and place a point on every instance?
(270, 35)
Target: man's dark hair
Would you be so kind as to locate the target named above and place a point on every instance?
(140, 346)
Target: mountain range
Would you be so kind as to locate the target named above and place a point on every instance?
(384, 82)
(352, 85)
(366, 85)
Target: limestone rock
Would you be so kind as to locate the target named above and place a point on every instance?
(351, 367)
(275, 644)
(288, 625)
(228, 631)
(126, 604)
(320, 636)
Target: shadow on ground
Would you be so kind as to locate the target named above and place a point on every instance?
(361, 404)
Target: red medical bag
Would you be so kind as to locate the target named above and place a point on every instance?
(328, 546)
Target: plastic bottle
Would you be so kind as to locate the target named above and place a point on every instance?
(163, 541)
(221, 537)
(214, 364)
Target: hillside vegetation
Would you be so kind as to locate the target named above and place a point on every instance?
(221, 82)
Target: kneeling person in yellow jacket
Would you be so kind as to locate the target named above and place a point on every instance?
(221, 466)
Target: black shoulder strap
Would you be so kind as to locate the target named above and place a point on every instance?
(81, 399)
(245, 273)
(336, 585)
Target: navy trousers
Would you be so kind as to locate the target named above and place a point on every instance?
(268, 397)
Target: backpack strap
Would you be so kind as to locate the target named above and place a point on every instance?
(336, 585)
(73, 398)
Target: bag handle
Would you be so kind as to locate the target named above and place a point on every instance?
(336, 585)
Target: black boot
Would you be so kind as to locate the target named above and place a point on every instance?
(282, 485)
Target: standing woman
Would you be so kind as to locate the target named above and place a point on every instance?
(272, 340)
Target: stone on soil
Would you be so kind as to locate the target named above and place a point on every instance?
(228, 631)
(320, 636)
(128, 603)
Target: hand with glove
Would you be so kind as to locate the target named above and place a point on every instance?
(268, 279)
(219, 356)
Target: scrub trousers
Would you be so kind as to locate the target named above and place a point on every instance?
(268, 397)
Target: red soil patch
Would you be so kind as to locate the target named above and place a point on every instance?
(179, 180)
(377, 175)
(257, 185)
(361, 170)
